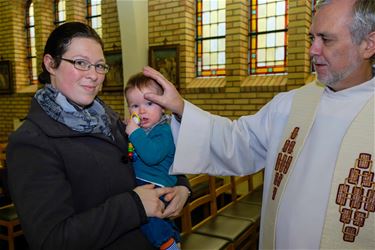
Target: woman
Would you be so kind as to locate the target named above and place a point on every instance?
(69, 173)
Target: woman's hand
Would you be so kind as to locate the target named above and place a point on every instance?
(177, 199)
(170, 99)
(149, 196)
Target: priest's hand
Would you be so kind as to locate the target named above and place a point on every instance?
(170, 99)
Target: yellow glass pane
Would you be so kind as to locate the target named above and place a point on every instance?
(221, 71)
(253, 42)
(253, 24)
(221, 4)
(279, 69)
(99, 31)
(213, 59)
(199, 6)
(214, 17)
(32, 43)
(206, 73)
(213, 30)
(262, 70)
(280, 22)
(271, 9)
(206, 45)
(221, 16)
(31, 10)
(280, 39)
(33, 50)
(206, 31)
(221, 44)
(261, 55)
(206, 59)
(270, 54)
(262, 24)
(262, 11)
(262, 41)
(205, 5)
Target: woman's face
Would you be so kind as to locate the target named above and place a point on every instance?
(79, 86)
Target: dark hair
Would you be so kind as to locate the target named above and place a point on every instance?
(59, 40)
(141, 81)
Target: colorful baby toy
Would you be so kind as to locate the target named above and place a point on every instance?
(131, 153)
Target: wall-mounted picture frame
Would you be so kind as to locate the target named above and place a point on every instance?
(114, 79)
(6, 83)
(166, 60)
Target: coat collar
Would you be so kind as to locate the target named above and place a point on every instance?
(56, 129)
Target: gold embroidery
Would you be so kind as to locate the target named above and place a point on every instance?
(356, 197)
(284, 160)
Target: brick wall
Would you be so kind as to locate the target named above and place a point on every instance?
(170, 22)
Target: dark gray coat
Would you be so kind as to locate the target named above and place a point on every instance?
(74, 190)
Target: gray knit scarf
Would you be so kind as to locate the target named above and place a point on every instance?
(91, 119)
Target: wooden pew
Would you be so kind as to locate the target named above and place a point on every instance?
(190, 239)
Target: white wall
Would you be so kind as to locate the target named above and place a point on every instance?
(133, 18)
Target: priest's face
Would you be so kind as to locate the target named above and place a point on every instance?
(337, 59)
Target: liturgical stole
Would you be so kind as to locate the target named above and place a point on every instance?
(349, 220)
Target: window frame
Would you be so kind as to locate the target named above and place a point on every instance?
(253, 35)
(200, 38)
(31, 43)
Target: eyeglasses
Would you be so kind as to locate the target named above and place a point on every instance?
(84, 65)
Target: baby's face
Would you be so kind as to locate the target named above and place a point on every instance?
(149, 112)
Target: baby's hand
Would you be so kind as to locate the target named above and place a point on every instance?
(131, 126)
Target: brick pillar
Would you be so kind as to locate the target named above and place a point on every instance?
(298, 42)
(76, 10)
(236, 42)
(44, 17)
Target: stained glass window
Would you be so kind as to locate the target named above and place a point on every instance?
(268, 25)
(30, 43)
(60, 12)
(94, 15)
(210, 38)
